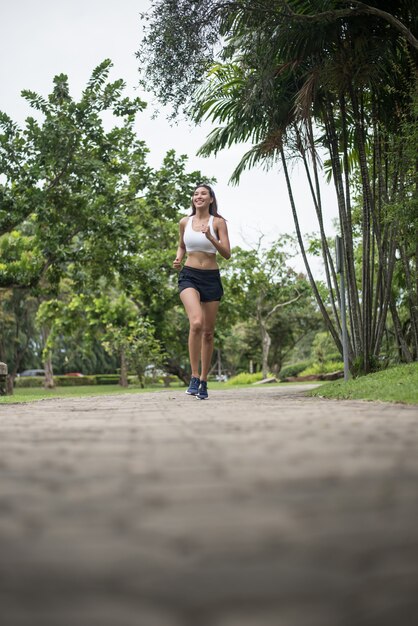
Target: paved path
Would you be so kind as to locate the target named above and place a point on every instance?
(259, 507)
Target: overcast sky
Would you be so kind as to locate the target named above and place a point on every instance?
(41, 39)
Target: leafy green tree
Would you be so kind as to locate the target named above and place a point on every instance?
(79, 203)
(261, 283)
(297, 78)
(17, 330)
(183, 38)
(68, 184)
(240, 347)
(137, 347)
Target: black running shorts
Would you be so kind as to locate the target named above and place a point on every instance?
(206, 282)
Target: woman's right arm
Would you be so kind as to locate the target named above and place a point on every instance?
(181, 250)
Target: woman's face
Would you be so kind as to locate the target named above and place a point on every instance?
(201, 198)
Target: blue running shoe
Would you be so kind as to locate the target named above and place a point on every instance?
(203, 391)
(194, 386)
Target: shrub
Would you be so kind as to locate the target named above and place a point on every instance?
(323, 347)
(29, 381)
(74, 381)
(245, 378)
(107, 379)
(323, 368)
(294, 369)
(374, 366)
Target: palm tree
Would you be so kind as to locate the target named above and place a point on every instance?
(293, 88)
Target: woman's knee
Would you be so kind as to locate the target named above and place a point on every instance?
(196, 325)
(207, 334)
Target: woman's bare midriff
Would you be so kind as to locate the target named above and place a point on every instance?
(201, 261)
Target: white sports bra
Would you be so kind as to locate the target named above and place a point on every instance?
(195, 241)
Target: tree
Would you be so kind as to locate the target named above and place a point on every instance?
(296, 80)
(68, 183)
(17, 329)
(79, 203)
(184, 38)
(261, 284)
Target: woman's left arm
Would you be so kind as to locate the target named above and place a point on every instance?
(222, 243)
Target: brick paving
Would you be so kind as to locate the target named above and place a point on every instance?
(259, 507)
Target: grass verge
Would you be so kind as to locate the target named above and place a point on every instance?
(39, 393)
(396, 384)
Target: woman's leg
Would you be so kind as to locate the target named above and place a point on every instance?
(191, 300)
(210, 310)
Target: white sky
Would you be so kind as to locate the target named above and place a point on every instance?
(41, 39)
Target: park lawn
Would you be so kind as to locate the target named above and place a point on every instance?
(396, 384)
(31, 394)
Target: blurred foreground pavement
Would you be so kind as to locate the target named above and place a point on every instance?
(258, 507)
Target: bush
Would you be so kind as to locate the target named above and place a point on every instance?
(29, 381)
(107, 379)
(74, 381)
(294, 369)
(60, 381)
(98, 379)
(245, 378)
(323, 368)
(374, 365)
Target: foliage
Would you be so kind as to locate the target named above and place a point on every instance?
(324, 367)
(299, 78)
(294, 369)
(322, 347)
(62, 381)
(68, 184)
(273, 299)
(84, 220)
(240, 344)
(182, 49)
(245, 379)
(137, 342)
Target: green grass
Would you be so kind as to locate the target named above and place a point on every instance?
(39, 393)
(31, 394)
(396, 384)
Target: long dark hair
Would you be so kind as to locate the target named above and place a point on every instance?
(213, 207)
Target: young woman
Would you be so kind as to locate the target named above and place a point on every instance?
(202, 235)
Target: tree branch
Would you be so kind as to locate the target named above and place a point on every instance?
(280, 305)
(359, 9)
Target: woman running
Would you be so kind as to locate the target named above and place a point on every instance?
(202, 235)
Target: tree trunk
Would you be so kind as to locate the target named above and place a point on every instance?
(10, 387)
(386, 283)
(316, 197)
(346, 229)
(265, 347)
(219, 364)
(405, 353)
(412, 299)
(141, 379)
(368, 215)
(123, 380)
(324, 312)
(49, 373)
(173, 367)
